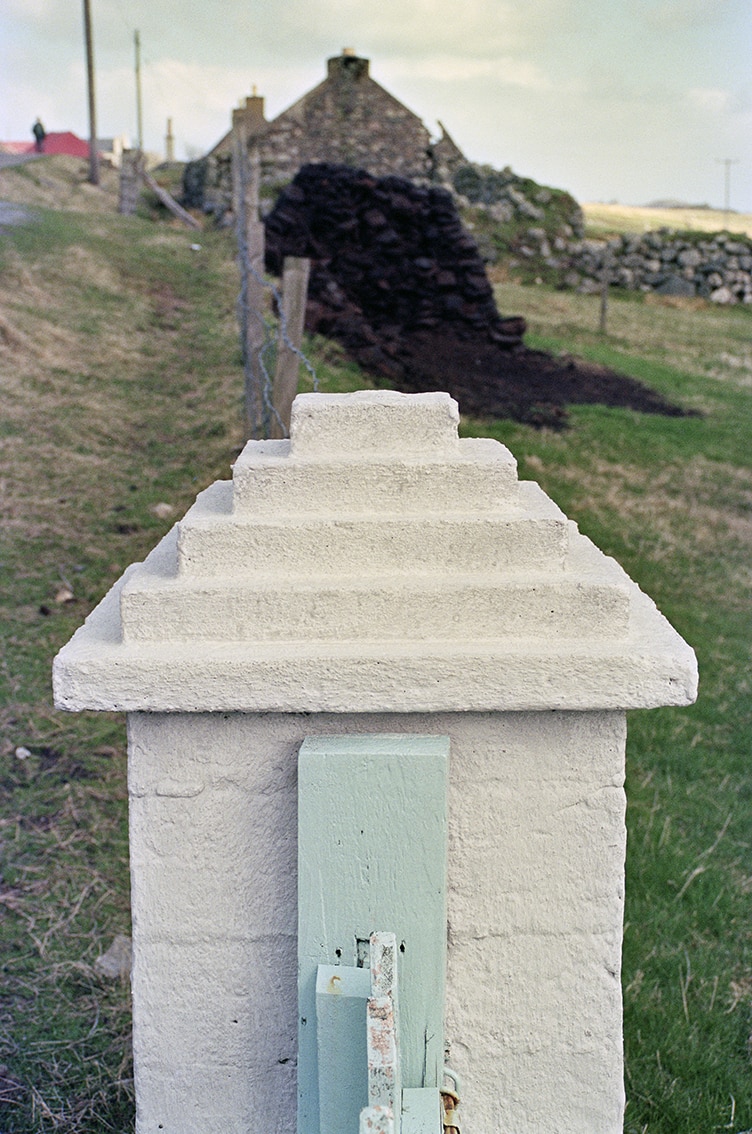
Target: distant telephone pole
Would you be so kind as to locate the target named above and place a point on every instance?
(728, 162)
(93, 148)
(139, 108)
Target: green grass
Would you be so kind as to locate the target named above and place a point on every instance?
(122, 391)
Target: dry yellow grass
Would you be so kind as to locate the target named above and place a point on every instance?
(705, 503)
(60, 182)
(632, 218)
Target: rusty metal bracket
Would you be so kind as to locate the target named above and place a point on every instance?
(450, 1101)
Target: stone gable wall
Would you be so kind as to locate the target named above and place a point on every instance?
(346, 121)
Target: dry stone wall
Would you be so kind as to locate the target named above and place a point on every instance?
(508, 198)
(713, 267)
(348, 119)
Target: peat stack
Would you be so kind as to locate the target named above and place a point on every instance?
(389, 257)
(399, 282)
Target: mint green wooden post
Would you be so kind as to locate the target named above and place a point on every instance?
(372, 831)
(341, 997)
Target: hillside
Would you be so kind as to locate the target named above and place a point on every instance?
(59, 182)
(624, 219)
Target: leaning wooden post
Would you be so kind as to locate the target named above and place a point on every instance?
(168, 200)
(292, 318)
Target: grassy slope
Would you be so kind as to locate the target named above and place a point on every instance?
(119, 382)
(121, 391)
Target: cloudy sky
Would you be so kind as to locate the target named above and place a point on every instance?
(628, 100)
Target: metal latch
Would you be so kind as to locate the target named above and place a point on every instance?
(450, 1100)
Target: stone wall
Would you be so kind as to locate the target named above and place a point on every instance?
(508, 197)
(498, 206)
(716, 267)
(348, 119)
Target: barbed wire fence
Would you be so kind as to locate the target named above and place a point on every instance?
(265, 347)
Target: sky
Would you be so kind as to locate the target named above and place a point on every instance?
(613, 100)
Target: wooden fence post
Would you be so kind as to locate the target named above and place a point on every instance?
(250, 233)
(129, 182)
(292, 319)
(168, 200)
(605, 283)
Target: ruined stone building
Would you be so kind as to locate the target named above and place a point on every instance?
(348, 119)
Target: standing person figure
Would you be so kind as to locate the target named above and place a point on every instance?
(40, 134)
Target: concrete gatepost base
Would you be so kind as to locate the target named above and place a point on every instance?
(377, 575)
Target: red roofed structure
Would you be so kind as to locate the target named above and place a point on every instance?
(16, 147)
(65, 142)
(68, 143)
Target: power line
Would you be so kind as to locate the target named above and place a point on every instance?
(139, 106)
(728, 162)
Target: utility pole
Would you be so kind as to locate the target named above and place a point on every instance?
(139, 109)
(728, 162)
(93, 148)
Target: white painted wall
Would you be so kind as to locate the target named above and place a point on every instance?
(536, 858)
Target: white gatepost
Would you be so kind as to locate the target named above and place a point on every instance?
(377, 576)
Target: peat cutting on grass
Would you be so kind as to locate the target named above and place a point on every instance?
(398, 281)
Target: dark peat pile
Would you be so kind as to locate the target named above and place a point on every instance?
(398, 281)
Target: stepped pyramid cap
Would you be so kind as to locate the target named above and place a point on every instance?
(374, 562)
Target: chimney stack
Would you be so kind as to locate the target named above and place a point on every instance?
(169, 142)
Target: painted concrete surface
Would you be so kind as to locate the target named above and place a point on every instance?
(535, 896)
(376, 574)
(339, 1019)
(375, 561)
